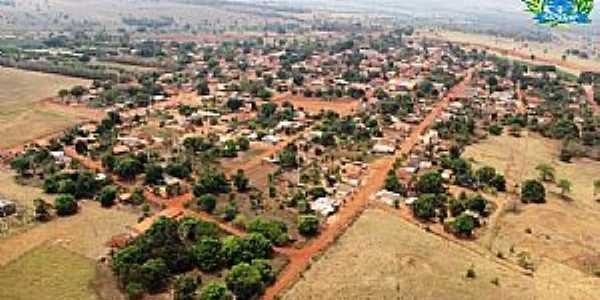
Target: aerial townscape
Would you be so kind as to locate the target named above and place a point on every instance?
(311, 149)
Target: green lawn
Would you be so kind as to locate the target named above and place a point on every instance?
(48, 273)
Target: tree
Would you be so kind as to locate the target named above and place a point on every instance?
(485, 175)
(41, 210)
(154, 273)
(184, 288)
(51, 185)
(212, 182)
(215, 291)
(464, 225)
(596, 187)
(154, 174)
(240, 181)
(431, 183)
(63, 93)
(236, 250)
(425, 206)
(245, 281)
(547, 172)
(128, 168)
(20, 164)
(533, 191)
(107, 196)
(135, 290)
(499, 183)
(308, 225)
(207, 253)
(274, 231)
(207, 203)
(565, 187)
(393, 184)
(65, 205)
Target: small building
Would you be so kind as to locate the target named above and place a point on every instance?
(7, 208)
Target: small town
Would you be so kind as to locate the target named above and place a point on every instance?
(262, 165)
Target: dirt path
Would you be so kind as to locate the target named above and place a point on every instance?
(589, 93)
(358, 202)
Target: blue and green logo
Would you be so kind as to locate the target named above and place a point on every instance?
(560, 12)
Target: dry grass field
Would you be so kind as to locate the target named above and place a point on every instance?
(384, 257)
(85, 233)
(48, 272)
(544, 52)
(559, 235)
(23, 116)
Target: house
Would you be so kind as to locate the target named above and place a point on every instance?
(383, 149)
(7, 208)
(387, 197)
(325, 206)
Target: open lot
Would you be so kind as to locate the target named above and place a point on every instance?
(48, 272)
(23, 114)
(559, 235)
(344, 107)
(383, 257)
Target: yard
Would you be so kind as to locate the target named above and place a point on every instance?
(383, 257)
(24, 115)
(48, 272)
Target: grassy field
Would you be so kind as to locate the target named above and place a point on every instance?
(48, 273)
(383, 257)
(22, 116)
(559, 235)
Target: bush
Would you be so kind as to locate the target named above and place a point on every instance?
(533, 191)
(308, 225)
(65, 205)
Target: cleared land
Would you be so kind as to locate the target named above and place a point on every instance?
(23, 114)
(559, 235)
(48, 273)
(383, 257)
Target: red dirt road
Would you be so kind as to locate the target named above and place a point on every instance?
(300, 259)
